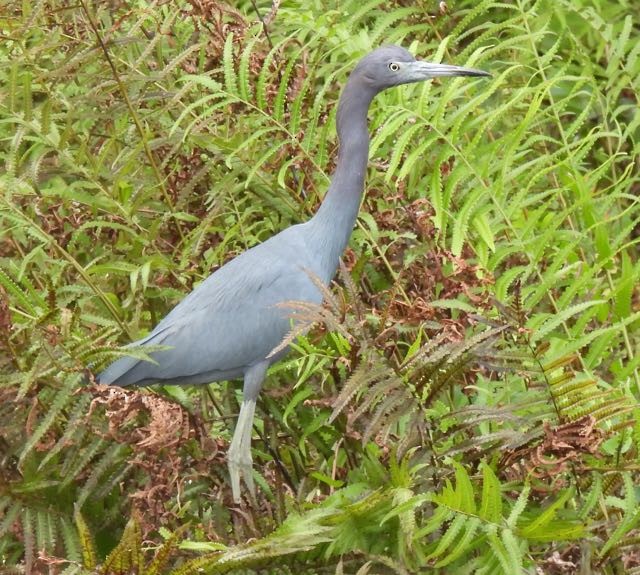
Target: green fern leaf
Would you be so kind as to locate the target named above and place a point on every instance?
(89, 556)
(230, 78)
(491, 505)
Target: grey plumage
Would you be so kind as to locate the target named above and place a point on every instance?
(227, 327)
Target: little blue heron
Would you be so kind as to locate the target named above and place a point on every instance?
(226, 328)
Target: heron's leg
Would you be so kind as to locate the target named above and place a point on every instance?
(239, 456)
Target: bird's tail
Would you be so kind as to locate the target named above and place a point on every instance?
(124, 371)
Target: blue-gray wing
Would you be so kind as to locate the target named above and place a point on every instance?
(228, 323)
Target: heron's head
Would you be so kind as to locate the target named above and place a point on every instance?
(392, 65)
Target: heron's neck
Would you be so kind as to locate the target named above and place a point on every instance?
(336, 217)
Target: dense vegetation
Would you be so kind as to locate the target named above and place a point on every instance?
(467, 401)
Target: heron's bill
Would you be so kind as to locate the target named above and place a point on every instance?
(424, 70)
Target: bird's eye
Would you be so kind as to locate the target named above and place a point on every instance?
(393, 66)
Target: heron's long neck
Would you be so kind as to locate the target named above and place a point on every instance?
(336, 217)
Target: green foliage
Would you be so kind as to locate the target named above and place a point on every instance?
(468, 399)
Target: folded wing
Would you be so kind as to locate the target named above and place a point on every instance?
(231, 321)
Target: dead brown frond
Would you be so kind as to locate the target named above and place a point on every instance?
(158, 431)
(550, 456)
(167, 426)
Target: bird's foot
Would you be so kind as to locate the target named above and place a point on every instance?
(240, 466)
